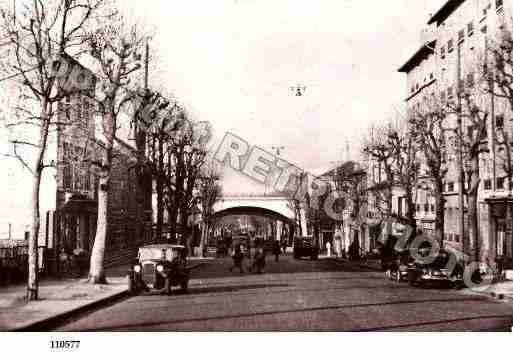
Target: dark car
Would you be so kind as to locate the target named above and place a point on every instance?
(443, 269)
(305, 247)
(158, 268)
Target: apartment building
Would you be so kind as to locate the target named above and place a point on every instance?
(71, 224)
(454, 45)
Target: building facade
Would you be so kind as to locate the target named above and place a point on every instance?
(71, 225)
(450, 59)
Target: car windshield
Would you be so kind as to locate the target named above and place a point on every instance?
(156, 253)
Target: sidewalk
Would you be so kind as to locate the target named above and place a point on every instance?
(502, 290)
(61, 298)
(58, 299)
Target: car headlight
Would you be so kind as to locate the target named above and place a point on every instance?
(160, 268)
(137, 268)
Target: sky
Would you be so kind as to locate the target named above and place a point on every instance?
(232, 62)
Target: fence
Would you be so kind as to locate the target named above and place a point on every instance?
(14, 263)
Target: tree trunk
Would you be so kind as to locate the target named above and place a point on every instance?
(33, 263)
(439, 210)
(472, 208)
(204, 237)
(33, 255)
(410, 212)
(160, 191)
(96, 273)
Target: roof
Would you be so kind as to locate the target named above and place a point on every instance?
(349, 168)
(445, 11)
(421, 53)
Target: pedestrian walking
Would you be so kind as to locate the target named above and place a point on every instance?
(328, 249)
(284, 246)
(238, 258)
(259, 261)
(276, 250)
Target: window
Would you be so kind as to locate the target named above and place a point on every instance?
(79, 119)
(488, 184)
(470, 80)
(485, 10)
(450, 187)
(470, 28)
(461, 36)
(418, 207)
(500, 183)
(461, 85)
(433, 208)
(431, 76)
(66, 176)
(450, 45)
(499, 121)
(450, 93)
(426, 207)
(442, 52)
(457, 238)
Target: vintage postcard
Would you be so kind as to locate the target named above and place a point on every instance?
(255, 166)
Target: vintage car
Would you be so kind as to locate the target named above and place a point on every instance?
(158, 268)
(438, 270)
(305, 247)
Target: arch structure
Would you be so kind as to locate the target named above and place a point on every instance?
(272, 207)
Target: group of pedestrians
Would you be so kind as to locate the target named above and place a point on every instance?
(259, 258)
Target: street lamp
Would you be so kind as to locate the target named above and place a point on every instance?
(298, 90)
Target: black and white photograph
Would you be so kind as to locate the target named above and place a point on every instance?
(311, 168)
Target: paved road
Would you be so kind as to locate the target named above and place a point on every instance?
(299, 296)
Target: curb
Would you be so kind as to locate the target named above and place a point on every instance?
(500, 296)
(53, 321)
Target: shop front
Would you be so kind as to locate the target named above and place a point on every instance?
(501, 244)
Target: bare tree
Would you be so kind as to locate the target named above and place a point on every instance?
(378, 148)
(427, 122)
(36, 39)
(473, 112)
(209, 192)
(116, 47)
(186, 155)
(406, 169)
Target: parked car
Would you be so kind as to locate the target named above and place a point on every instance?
(436, 270)
(305, 247)
(158, 268)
